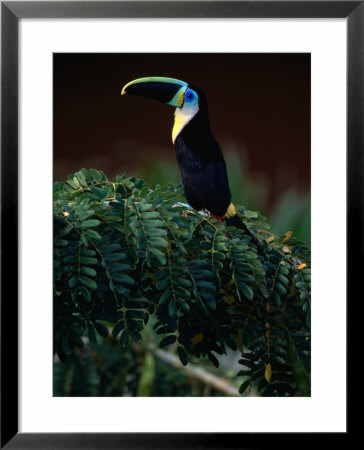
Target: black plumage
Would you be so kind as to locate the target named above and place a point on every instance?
(202, 165)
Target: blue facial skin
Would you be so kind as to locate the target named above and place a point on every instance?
(190, 96)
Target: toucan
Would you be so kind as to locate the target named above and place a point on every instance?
(200, 159)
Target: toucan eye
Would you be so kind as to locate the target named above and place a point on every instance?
(189, 95)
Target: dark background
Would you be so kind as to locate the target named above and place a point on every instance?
(259, 108)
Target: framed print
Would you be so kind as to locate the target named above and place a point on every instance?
(64, 66)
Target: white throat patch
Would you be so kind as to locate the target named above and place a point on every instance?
(181, 118)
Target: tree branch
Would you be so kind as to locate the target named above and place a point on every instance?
(199, 373)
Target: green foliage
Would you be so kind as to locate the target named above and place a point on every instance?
(126, 255)
(107, 369)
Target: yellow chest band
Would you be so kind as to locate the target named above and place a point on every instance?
(180, 121)
(231, 211)
(181, 118)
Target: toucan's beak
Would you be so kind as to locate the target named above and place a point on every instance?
(166, 90)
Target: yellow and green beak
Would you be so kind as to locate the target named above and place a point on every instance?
(162, 89)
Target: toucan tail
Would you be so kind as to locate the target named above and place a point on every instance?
(235, 221)
(232, 219)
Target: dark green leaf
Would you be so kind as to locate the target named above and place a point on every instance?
(101, 329)
(90, 223)
(182, 355)
(167, 340)
(244, 386)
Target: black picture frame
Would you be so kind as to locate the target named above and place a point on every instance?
(11, 12)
